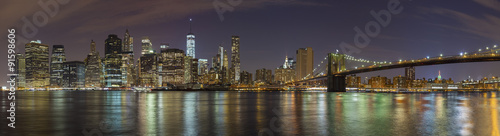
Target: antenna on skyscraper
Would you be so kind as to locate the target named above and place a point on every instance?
(190, 22)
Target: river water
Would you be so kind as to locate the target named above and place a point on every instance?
(251, 113)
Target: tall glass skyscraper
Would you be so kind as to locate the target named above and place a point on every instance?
(56, 65)
(113, 61)
(190, 44)
(37, 64)
(235, 59)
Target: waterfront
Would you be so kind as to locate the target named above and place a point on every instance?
(248, 113)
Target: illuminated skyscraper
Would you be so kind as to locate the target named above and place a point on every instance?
(20, 71)
(147, 46)
(37, 64)
(305, 62)
(128, 42)
(113, 61)
(127, 67)
(202, 66)
(285, 73)
(74, 74)
(148, 70)
(190, 44)
(235, 59)
(56, 65)
(148, 65)
(173, 70)
(225, 72)
(93, 68)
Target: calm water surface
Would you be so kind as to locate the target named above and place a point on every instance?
(251, 113)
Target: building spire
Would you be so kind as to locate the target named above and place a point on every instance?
(190, 22)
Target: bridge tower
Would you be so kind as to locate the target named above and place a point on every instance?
(336, 82)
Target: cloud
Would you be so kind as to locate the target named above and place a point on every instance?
(485, 25)
(493, 4)
(102, 15)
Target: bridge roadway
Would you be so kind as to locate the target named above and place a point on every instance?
(402, 64)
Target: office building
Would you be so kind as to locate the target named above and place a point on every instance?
(94, 75)
(147, 46)
(246, 78)
(305, 62)
(37, 64)
(148, 70)
(56, 65)
(20, 71)
(172, 66)
(113, 61)
(284, 73)
(410, 73)
(74, 74)
(128, 42)
(202, 66)
(378, 82)
(235, 59)
(127, 67)
(264, 76)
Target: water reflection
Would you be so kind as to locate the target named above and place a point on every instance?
(248, 113)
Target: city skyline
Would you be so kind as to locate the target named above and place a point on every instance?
(436, 38)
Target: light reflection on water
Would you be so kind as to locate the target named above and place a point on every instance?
(248, 113)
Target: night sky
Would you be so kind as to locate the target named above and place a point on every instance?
(271, 29)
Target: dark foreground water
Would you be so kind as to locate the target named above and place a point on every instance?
(251, 113)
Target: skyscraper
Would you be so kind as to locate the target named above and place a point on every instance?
(172, 66)
(147, 46)
(56, 65)
(93, 68)
(148, 70)
(74, 74)
(202, 66)
(410, 73)
(37, 64)
(128, 42)
(284, 73)
(235, 59)
(20, 71)
(225, 69)
(148, 65)
(305, 62)
(127, 67)
(113, 61)
(190, 44)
